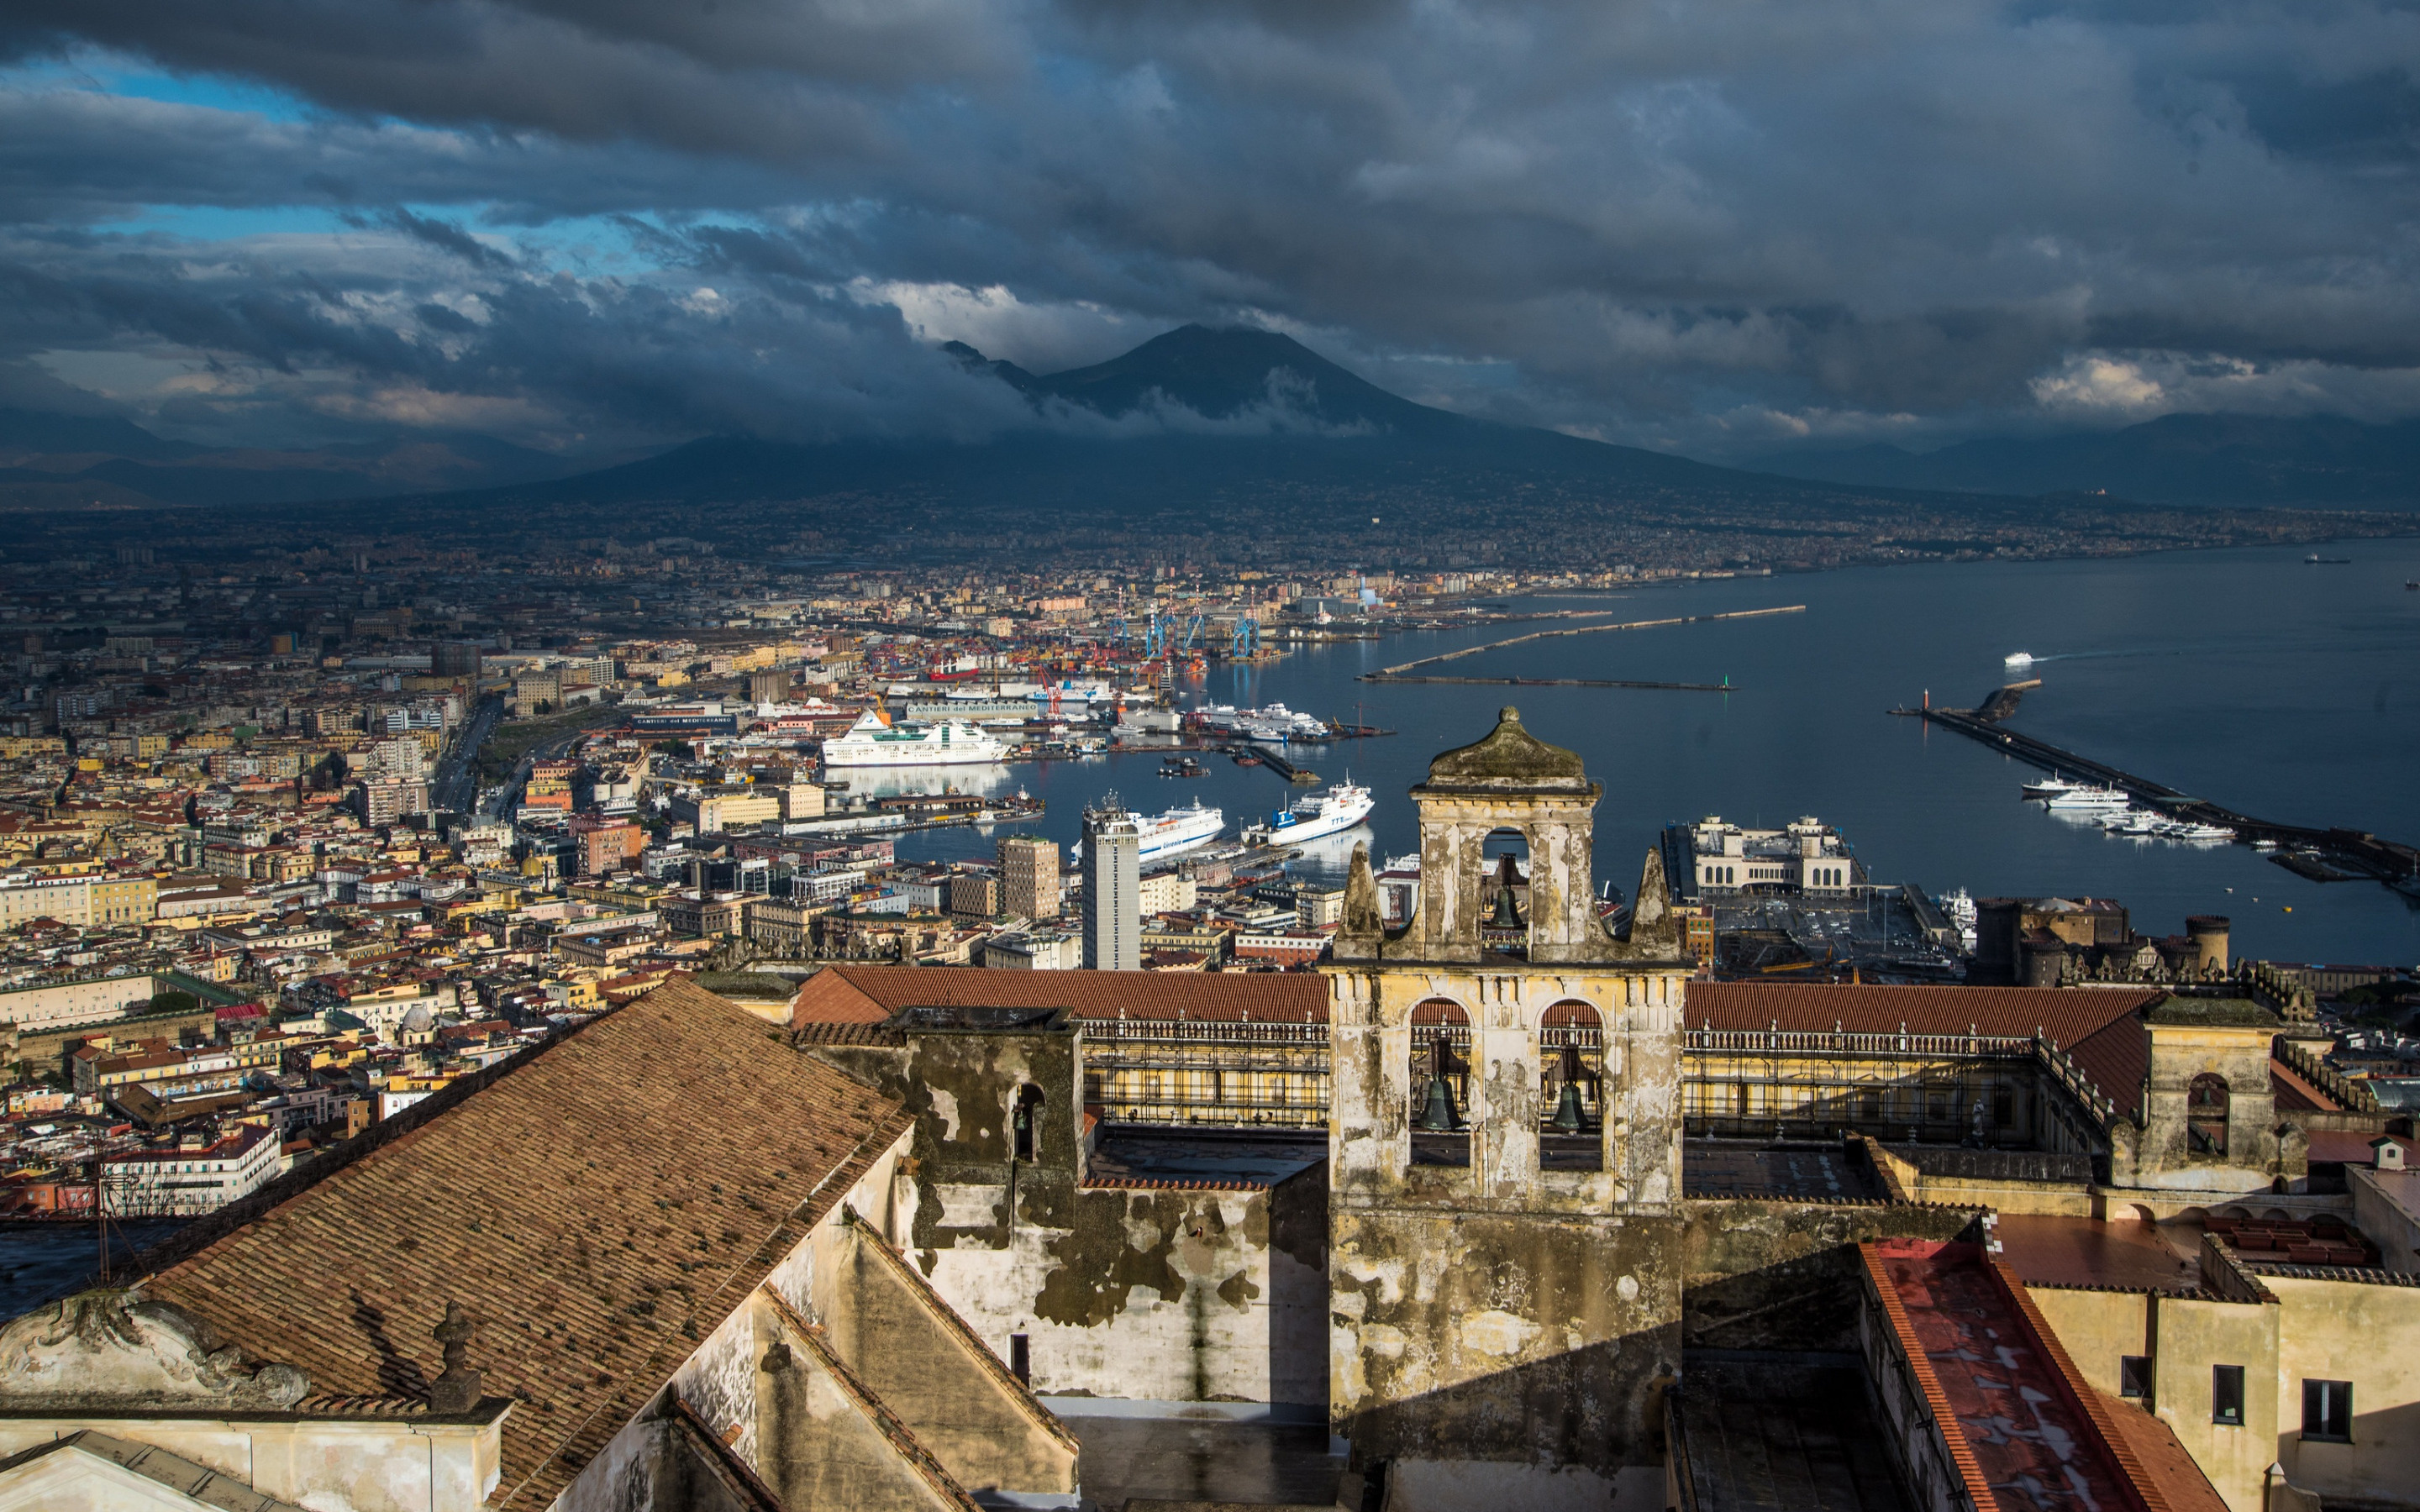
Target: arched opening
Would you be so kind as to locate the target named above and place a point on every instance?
(1504, 894)
(2206, 1102)
(1440, 1084)
(2141, 1214)
(1571, 1102)
(1026, 1120)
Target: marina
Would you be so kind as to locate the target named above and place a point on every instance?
(2329, 855)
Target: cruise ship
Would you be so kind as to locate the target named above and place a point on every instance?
(1340, 808)
(870, 742)
(1180, 829)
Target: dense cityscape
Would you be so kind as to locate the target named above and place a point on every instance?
(794, 757)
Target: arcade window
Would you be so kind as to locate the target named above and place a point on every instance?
(2327, 1411)
(2226, 1394)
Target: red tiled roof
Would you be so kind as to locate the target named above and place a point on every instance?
(2098, 1027)
(595, 1205)
(869, 994)
(1985, 1359)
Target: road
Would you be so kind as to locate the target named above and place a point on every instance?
(456, 786)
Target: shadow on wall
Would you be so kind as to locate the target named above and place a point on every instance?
(1759, 1274)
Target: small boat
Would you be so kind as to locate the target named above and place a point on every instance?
(2018, 658)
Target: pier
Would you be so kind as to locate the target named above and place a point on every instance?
(1273, 759)
(2320, 855)
(1394, 673)
(1726, 686)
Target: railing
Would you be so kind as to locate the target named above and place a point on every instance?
(1212, 1031)
(1778, 1041)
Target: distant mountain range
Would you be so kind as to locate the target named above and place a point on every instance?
(1232, 429)
(2320, 461)
(50, 461)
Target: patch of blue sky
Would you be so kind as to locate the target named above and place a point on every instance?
(116, 73)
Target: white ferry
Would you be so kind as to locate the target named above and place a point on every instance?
(2018, 658)
(872, 742)
(1180, 829)
(2089, 798)
(1338, 809)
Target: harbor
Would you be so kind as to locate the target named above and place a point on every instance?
(2329, 855)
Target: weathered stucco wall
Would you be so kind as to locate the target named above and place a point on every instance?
(1502, 1324)
(1165, 1294)
(1765, 1274)
(2097, 1328)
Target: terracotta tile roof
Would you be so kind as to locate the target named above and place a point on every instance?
(2100, 1027)
(598, 1206)
(2007, 1400)
(869, 994)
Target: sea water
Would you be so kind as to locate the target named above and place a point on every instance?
(2248, 676)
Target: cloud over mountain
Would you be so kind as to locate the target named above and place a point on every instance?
(1713, 227)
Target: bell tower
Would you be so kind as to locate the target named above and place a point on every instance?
(1504, 1153)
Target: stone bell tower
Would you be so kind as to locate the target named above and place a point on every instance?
(1505, 1156)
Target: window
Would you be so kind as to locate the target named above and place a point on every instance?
(2226, 1394)
(2327, 1411)
(1027, 1119)
(2205, 1105)
(1020, 1358)
(2135, 1376)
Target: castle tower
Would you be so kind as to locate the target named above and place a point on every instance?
(1504, 1157)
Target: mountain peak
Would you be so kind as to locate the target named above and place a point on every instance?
(1223, 373)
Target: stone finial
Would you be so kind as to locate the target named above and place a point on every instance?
(1363, 922)
(1654, 930)
(457, 1390)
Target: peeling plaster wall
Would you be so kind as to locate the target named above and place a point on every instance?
(1166, 1294)
(1517, 1319)
(356, 1467)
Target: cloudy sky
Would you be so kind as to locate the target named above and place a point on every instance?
(1708, 225)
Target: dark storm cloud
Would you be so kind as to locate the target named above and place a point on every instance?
(1705, 224)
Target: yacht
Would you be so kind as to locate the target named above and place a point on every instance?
(2018, 658)
(872, 742)
(1180, 829)
(2087, 797)
(1340, 808)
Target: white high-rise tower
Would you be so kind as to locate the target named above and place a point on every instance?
(1112, 865)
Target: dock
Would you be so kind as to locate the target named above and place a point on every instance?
(1273, 759)
(2333, 855)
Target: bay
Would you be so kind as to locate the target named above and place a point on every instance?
(2248, 676)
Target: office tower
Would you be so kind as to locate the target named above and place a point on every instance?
(1029, 874)
(1112, 864)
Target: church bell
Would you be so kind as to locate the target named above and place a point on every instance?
(1439, 1116)
(1569, 1117)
